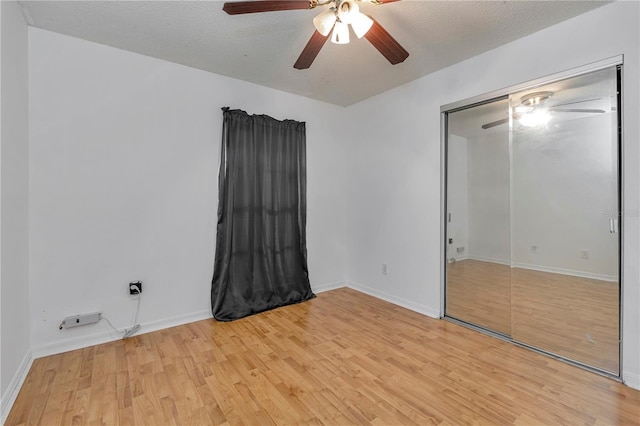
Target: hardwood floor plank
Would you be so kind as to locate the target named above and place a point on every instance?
(342, 358)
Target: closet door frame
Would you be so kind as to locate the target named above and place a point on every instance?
(445, 110)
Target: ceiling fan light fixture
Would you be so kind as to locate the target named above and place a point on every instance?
(334, 21)
(340, 33)
(324, 22)
(361, 23)
(347, 10)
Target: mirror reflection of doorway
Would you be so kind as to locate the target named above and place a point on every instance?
(532, 224)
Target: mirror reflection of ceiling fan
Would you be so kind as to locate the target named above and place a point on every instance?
(533, 111)
(340, 15)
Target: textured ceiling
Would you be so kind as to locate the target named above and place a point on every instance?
(262, 48)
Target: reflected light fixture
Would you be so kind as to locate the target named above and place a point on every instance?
(339, 17)
(536, 118)
(531, 113)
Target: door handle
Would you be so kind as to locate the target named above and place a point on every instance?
(613, 225)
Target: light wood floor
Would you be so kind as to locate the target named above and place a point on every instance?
(342, 358)
(480, 293)
(570, 316)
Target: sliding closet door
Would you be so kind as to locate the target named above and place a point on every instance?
(564, 219)
(478, 285)
(532, 217)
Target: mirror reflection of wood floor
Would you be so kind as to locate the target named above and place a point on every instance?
(480, 293)
(570, 316)
(342, 358)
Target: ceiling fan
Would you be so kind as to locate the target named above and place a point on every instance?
(338, 17)
(532, 110)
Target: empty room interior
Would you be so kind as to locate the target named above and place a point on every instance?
(325, 212)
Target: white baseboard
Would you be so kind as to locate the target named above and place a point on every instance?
(13, 389)
(632, 380)
(110, 336)
(413, 306)
(549, 269)
(460, 258)
(327, 287)
(490, 260)
(175, 321)
(563, 271)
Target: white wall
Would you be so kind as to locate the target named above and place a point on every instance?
(124, 153)
(14, 269)
(394, 175)
(489, 197)
(552, 208)
(458, 198)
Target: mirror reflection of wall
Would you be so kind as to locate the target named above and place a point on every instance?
(458, 199)
(489, 198)
(479, 199)
(565, 181)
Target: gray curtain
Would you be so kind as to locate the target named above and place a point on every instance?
(261, 254)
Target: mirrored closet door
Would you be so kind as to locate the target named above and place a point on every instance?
(532, 225)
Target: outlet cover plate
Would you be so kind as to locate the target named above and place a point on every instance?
(132, 286)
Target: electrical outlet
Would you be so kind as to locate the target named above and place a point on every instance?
(135, 288)
(584, 254)
(385, 270)
(534, 248)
